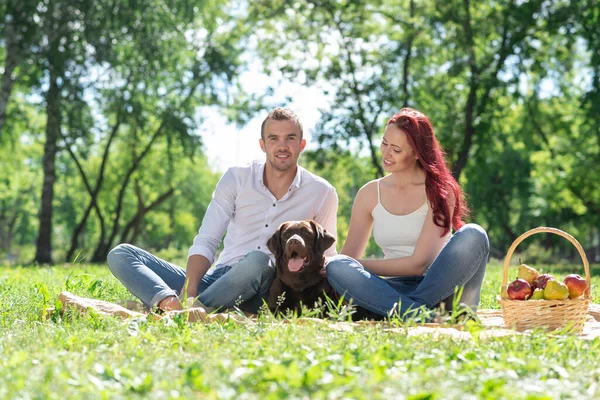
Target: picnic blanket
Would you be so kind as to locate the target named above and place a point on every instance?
(492, 322)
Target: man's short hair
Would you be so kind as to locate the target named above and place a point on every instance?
(281, 114)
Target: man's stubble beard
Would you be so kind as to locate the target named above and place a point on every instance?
(278, 168)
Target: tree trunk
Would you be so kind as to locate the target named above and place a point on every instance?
(93, 193)
(362, 115)
(4, 244)
(135, 223)
(13, 58)
(43, 253)
(172, 201)
(6, 88)
(463, 154)
(407, 58)
(104, 244)
(597, 245)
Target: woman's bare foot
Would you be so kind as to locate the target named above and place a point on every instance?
(170, 303)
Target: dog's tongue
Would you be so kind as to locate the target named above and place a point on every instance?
(295, 264)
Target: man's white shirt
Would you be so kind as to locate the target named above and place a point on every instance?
(244, 207)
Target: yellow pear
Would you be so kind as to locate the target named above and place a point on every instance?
(538, 294)
(527, 273)
(556, 290)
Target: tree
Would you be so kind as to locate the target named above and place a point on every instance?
(355, 50)
(458, 62)
(155, 42)
(375, 52)
(18, 191)
(19, 35)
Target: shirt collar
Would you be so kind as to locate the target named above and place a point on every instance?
(297, 179)
(259, 173)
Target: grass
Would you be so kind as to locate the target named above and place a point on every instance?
(88, 356)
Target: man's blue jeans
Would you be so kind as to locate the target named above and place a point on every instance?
(151, 279)
(461, 263)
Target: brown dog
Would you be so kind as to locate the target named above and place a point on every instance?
(298, 247)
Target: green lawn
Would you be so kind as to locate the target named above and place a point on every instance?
(95, 357)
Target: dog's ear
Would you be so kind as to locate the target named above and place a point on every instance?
(323, 239)
(274, 242)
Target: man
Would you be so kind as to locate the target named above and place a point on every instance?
(249, 203)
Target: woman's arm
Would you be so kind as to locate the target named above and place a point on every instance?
(427, 249)
(361, 221)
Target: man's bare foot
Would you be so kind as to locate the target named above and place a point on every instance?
(170, 303)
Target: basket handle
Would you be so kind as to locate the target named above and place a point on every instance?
(511, 250)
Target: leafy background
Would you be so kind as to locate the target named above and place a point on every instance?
(103, 105)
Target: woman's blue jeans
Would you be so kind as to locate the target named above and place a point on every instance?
(152, 279)
(460, 264)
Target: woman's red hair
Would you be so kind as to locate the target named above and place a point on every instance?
(440, 185)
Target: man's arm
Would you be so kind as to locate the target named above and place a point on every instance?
(202, 252)
(216, 219)
(197, 266)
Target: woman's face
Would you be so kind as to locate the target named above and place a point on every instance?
(397, 154)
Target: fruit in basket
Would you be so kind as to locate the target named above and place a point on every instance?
(556, 290)
(538, 294)
(541, 281)
(527, 273)
(519, 289)
(576, 285)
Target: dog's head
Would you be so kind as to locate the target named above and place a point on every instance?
(298, 247)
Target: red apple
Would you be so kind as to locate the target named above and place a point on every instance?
(540, 282)
(576, 285)
(519, 289)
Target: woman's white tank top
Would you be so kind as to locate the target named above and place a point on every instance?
(397, 235)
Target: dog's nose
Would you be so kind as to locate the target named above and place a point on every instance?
(296, 239)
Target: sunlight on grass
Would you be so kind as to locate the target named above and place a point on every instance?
(89, 356)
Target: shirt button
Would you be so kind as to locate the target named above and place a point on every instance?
(259, 247)
(274, 204)
(267, 225)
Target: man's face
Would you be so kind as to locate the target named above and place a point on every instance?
(282, 144)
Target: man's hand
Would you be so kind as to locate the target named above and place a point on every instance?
(193, 302)
(189, 293)
(190, 302)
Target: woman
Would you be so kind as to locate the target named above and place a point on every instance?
(411, 213)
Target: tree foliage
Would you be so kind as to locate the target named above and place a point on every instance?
(119, 80)
(100, 101)
(511, 89)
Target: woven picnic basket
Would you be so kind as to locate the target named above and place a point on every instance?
(550, 314)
